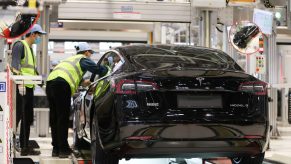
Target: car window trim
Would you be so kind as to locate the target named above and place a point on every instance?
(99, 63)
(121, 58)
(106, 53)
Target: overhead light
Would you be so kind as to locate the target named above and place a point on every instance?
(278, 15)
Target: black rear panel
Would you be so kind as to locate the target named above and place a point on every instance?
(214, 98)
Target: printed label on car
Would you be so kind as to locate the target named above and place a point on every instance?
(152, 104)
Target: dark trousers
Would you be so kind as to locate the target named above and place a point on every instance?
(59, 97)
(24, 112)
(19, 106)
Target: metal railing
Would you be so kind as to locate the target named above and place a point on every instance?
(273, 111)
(285, 106)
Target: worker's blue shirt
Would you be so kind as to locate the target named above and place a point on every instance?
(89, 65)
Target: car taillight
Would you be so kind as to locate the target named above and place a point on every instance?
(252, 137)
(142, 138)
(256, 87)
(127, 86)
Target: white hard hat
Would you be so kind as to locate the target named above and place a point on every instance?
(54, 63)
(83, 46)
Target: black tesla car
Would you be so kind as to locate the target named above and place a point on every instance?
(173, 101)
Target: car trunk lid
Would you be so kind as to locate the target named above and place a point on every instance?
(194, 95)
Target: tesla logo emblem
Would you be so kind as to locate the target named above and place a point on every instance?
(200, 79)
(131, 104)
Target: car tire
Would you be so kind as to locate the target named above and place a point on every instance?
(258, 159)
(99, 156)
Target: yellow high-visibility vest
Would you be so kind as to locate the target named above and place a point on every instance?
(100, 86)
(70, 70)
(28, 63)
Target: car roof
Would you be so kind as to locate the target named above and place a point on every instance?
(133, 50)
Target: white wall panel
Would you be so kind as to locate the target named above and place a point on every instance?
(148, 11)
(56, 34)
(109, 25)
(283, 38)
(209, 3)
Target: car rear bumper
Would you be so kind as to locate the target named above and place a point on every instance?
(192, 140)
(190, 149)
(213, 131)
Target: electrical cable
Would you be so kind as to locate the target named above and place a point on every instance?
(219, 23)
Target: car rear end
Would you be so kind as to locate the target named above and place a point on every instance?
(191, 112)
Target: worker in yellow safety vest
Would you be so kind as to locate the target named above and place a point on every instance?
(62, 83)
(101, 86)
(24, 63)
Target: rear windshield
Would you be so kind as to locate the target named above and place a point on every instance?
(212, 60)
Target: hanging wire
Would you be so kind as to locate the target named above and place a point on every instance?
(217, 28)
(227, 2)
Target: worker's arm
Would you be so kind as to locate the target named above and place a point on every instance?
(17, 55)
(89, 65)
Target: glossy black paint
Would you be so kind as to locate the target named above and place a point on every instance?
(149, 122)
(244, 35)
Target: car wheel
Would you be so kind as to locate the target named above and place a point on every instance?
(258, 159)
(99, 156)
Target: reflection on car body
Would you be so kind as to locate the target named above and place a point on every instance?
(175, 101)
(244, 35)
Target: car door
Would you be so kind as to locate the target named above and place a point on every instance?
(100, 96)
